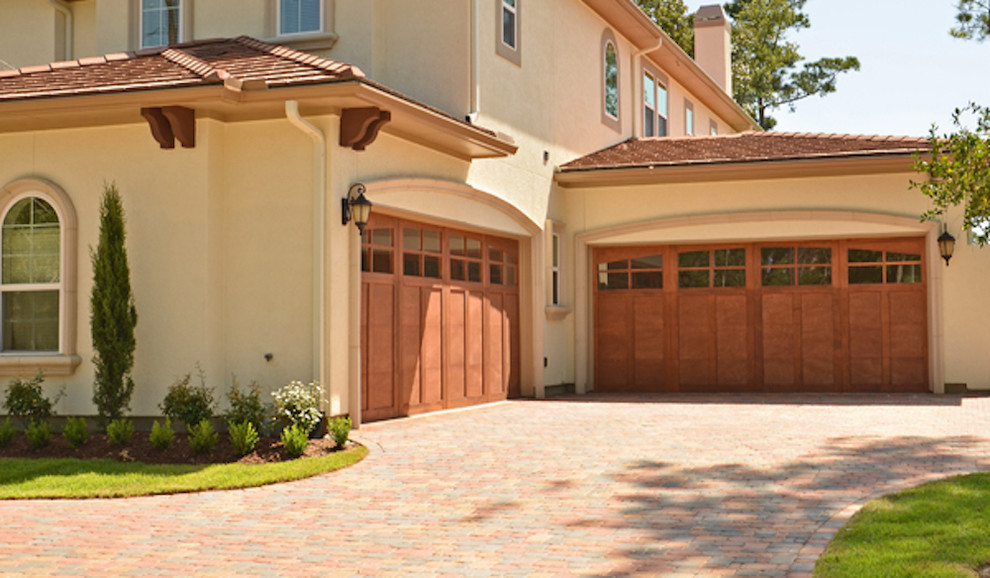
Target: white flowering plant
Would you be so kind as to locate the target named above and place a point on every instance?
(298, 404)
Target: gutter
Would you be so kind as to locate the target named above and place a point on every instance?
(319, 234)
(475, 57)
(63, 8)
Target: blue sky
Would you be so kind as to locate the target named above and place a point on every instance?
(913, 73)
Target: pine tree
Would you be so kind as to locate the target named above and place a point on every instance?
(112, 315)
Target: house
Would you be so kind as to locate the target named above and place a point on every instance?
(560, 196)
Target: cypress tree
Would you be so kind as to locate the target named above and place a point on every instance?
(112, 312)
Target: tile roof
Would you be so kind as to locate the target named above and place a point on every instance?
(749, 146)
(203, 62)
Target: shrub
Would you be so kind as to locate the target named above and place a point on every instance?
(246, 405)
(113, 315)
(298, 404)
(25, 399)
(7, 432)
(74, 431)
(120, 431)
(243, 436)
(162, 436)
(339, 429)
(38, 434)
(202, 437)
(295, 438)
(189, 403)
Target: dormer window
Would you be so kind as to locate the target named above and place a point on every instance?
(300, 16)
(161, 22)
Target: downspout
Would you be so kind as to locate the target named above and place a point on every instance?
(63, 8)
(474, 64)
(319, 235)
(634, 76)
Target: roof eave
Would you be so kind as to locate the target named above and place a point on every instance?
(885, 163)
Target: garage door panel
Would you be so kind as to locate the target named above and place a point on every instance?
(474, 354)
(909, 373)
(511, 348)
(694, 326)
(410, 344)
(648, 326)
(779, 372)
(866, 371)
(613, 340)
(865, 325)
(818, 341)
(777, 316)
(494, 325)
(732, 340)
(380, 393)
(431, 350)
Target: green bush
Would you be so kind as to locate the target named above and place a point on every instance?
(243, 436)
(295, 439)
(189, 403)
(26, 400)
(162, 436)
(7, 432)
(74, 431)
(339, 429)
(38, 434)
(120, 431)
(246, 405)
(202, 437)
(299, 404)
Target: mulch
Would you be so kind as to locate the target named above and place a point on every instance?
(139, 449)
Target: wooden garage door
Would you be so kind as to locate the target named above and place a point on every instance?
(818, 316)
(439, 318)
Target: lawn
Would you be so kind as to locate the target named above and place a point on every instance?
(73, 478)
(937, 529)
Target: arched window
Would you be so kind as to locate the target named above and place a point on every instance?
(37, 279)
(610, 80)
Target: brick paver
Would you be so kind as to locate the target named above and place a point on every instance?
(659, 486)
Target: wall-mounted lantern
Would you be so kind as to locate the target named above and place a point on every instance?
(355, 206)
(946, 245)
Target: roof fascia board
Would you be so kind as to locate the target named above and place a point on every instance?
(899, 162)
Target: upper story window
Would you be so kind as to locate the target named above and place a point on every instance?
(300, 16)
(161, 22)
(654, 105)
(508, 31)
(688, 118)
(713, 127)
(609, 57)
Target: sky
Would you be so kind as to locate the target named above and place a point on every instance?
(912, 74)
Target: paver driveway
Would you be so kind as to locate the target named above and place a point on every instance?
(663, 486)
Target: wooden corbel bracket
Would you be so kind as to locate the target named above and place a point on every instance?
(359, 126)
(168, 123)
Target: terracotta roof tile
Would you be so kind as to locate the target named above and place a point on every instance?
(190, 64)
(747, 146)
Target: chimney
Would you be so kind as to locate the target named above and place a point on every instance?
(713, 45)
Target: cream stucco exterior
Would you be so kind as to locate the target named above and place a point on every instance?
(236, 245)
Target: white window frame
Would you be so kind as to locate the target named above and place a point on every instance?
(511, 9)
(658, 81)
(609, 119)
(181, 34)
(556, 269)
(64, 361)
(688, 118)
(278, 20)
(712, 127)
(512, 53)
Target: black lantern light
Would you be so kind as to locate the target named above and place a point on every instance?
(946, 245)
(355, 207)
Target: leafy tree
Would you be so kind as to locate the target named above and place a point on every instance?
(673, 18)
(112, 315)
(765, 64)
(958, 169)
(972, 20)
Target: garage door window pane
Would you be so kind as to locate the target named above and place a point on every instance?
(431, 267)
(730, 257)
(688, 279)
(903, 257)
(777, 255)
(474, 248)
(648, 262)
(457, 269)
(864, 256)
(693, 259)
(865, 275)
(381, 261)
(647, 280)
(778, 277)
(815, 276)
(431, 241)
(474, 271)
(410, 264)
(456, 245)
(495, 274)
(730, 278)
(904, 274)
(814, 255)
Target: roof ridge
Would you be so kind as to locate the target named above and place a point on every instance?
(309, 59)
(195, 65)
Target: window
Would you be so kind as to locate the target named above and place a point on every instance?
(654, 105)
(300, 16)
(874, 267)
(508, 19)
(688, 118)
(711, 268)
(645, 272)
(160, 22)
(377, 250)
(465, 258)
(611, 81)
(712, 127)
(37, 290)
(555, 270)
(787, 266)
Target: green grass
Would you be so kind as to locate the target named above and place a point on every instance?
(937, 529)
(71, 478)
